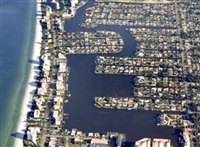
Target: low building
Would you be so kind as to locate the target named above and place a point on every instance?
(57, 102)
(37, 114)
(60, 77)
(61, 56)
(59, 85)
(62, 67)
(145, 142)
(161, 143)
(99, 141)
(77, 139)
(73, 3)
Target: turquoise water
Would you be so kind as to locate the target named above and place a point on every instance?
(17, 32)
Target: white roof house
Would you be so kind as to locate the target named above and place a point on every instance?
(59, 85)
(61, 56)
(186, 139)
(57, 117)
(145, 142)
(62, 67)
(99, 141)
(161, 143)
(36, 113)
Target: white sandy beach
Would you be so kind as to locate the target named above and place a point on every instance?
(30, 87)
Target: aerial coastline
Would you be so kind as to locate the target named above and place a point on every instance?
(160, 81)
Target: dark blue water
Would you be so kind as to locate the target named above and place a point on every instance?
(85, 85)
(17, 32)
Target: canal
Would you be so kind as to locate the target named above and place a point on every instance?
(84, 84)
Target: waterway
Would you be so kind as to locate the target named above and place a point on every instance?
(84, 84)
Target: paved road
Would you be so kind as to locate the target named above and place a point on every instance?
(181, 43)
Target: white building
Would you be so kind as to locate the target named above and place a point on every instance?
(57, 117)
(62, 67)
(145, 142)
(57, 102)
(48, 11)
(32, 134)
(52, 142)
(186, 137)
(37, 114)
(73, 3)
(60, 77)
(61, 56)
(59, 85)
(161, 143)
(99, 141)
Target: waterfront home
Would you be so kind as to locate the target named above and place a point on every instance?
(60, 77)
(62, 67)
(73, 132)
(98, 141)
(57, 102)
(61, 56)
(145, 142)
(59, 86)
(161, 143)
(90, 134)
(186, 137)
(57, 117)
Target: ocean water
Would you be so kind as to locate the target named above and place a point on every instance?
(17, 24)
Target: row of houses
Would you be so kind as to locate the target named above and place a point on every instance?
(148, 142)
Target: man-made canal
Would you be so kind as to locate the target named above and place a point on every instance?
(84, 84)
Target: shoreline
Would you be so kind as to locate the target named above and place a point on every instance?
(26, 105)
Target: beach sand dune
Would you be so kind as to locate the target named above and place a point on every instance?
(22, 124)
